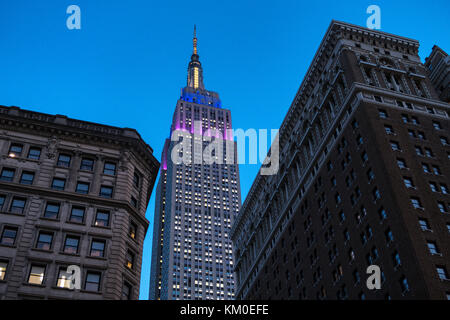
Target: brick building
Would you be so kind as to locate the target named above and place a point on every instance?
(363, 180)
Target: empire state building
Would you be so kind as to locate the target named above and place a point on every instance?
(196, 203)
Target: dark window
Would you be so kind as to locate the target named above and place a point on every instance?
(71, 244)
(27, 178)
(432, 247)
(134, 202)
(17, 205)
(9, 236)
(64, 160)
(44, 241)
(106, 192)
(52, 211)
(82, 187)
(110, 168)
(58, 184)
(34, 153)
(136, 179)
(382, 113)
(77, 214)
(92, 281)
(37, 274)
(126, 291)
(102, 218)
(87, 164)
(97, 248)
(15, 150)
(129, 260)
(2, 201)
(442, 272)
(7, 174)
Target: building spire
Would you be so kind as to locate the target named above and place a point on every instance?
(195, 71)
(195, 39)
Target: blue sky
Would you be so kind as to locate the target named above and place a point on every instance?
(127, 64)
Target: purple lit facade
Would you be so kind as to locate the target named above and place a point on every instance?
(196, 204)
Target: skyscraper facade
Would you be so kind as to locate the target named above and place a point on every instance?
(72, 193)
(363, 180)
(196, 201)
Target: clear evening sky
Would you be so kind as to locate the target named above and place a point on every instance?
(127, 64)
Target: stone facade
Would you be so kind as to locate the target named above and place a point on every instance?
(71, 193)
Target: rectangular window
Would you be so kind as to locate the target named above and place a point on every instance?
(106, 192)
(2, 201)
(27, 178)
(126, 291)
(64, 279)
(77, 215)
(382, 113)
(110, 168)
(424, 225)
(416, 203)
(15, 150)
(133, 230)
(432, 247)
(401, 164)
(52, 210)
(408, 182)
(134, 202)
(64, 160)
(97, 248)
(34, 153)
(136, 179)
(18, 205)
(395, 146)
(7, 174)
(37, 274)
(92, 281)
(3, 267)
(44, 241)
(82, 187)
(437, 125)
(102, 219)
(58, 184)
(87, 164)
(71, 244)
(129, 260)
(9, 235)
(442, 273)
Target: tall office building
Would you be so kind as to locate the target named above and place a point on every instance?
(196, 202)
(363, 180)
(72, 193)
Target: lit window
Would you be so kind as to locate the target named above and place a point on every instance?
(102, 219)
(15, 150)
(129, 260)
(36, 275)
(133, 230)
(64, 279)
(3, 267)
